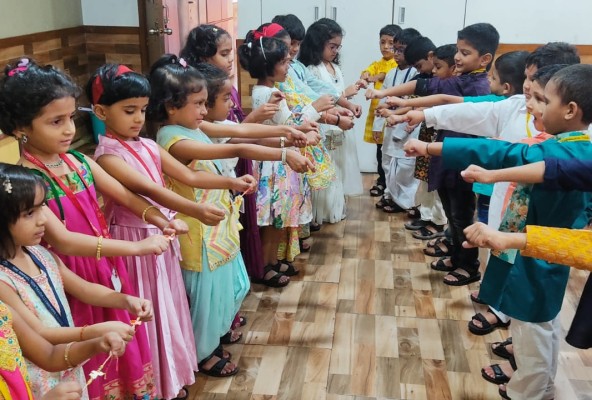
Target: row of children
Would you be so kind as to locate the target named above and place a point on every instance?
(550, 119)
(169, 228)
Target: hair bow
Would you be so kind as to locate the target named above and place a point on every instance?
(268, 31)
(22, 66)
(97, 86)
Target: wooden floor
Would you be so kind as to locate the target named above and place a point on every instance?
(368, 319)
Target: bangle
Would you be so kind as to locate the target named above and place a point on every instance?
(338, 119)
(145, 211)
(284, 154)
(82, 333)
(282, 142)
(99, 247)
(428, 149)
(66, 355)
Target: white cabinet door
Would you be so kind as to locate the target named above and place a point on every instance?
(439, 20)
(307, 10)
(249, 17)
(533, 21)
(360, 48)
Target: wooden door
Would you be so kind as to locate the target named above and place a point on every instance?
(153, 29)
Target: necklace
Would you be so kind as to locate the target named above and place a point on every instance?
(55, 164)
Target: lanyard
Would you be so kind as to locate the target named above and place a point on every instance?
(404, 79)
(60, 316)
(137, 156)
(71, 196)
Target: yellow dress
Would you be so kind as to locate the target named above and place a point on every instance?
(377, 67)
(559, 245)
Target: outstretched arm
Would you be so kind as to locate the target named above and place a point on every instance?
(529, 173)
(405, 89)
(425, 101)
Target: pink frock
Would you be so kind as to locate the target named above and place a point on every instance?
(157, 278)
(130, 376)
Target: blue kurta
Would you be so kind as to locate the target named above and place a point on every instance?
(530, 290)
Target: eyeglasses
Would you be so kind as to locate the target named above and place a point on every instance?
(399, 50)
(334, 47)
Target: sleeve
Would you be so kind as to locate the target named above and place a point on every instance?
(559, 245)
(372, 69)
(567, 174)
(483, 99)
(313, 80)
(480, 119)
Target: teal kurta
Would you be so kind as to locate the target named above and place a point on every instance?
(530, 290)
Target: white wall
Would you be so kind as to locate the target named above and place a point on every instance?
(110, 12)
(23, 17)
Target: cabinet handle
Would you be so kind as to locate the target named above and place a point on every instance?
(334, 12)
(401, 15)
(316, 12)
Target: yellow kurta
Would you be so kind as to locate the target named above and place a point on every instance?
(377, 67)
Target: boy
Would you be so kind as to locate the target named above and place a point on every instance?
(476, 46)
(527, 289)
(375, 73)
(401, 185)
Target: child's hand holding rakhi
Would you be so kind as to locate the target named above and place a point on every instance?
(112, 343)
(141, 308)
(276, 97)
(264, 112)
(313, 138)
(298, 162)
(363, 83)
(296, 137)
(209, 214)
(247, 183)
(175, 227)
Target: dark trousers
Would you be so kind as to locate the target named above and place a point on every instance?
(381, 176)
(459, 207)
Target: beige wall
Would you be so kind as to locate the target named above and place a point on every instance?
(22, 17)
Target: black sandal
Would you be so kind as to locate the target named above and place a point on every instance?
(439, 265)
(377, 190)
(486, 327)
(504, 394)
(413, 213)
(185, 396)
(216, 369)
(291, 271)
(500, 349)
(476, 299)
(304, 247)
(274, 281)
(416, 224)
(391, 207)
(382, 202)
(499, 378)
(219, 352)
(227, 339)
(461, 279)
(425, 233)
(438, 251)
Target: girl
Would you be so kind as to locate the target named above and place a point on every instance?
(120, 97)
(19, 339)
(320, 53)
(37, 105)
(32, 278)
(213, 269)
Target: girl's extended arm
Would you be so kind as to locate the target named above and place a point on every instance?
(142, 185)
(110, 187)
(79, 244)
(52, 357)
(425, 101)
(404, 89)
(529, 173)
(249, 130)
(416, 148)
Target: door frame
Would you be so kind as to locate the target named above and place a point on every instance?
(143, 35)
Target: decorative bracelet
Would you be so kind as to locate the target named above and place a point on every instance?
(282, 142)
(338, 119)
(67, 354)
(82, 333)
(284, 154)
(145, 211)
(99, 247)
(428, 149)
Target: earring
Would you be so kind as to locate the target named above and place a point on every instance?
(24, 139)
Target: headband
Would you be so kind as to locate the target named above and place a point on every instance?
(97, 86)
(22, 66)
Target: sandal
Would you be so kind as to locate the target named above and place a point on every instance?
(185, 396)
(413, 213)
(503, 392)
(391, 207)
(416, 225)
(428, 232)
(499, 377)
(476, 299)
(291, 271)
(274, 281)
(242, 320)
(486, 327)
(304, 246)
(227, 339)
(219, 352)
(461, 279)
(440, 265)
(499, 349)
(436, 249)
(377, 190)
(216, 369)
(314, 227)
(382, 202)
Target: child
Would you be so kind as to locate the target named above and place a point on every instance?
(531, 291)
(34, 280)
(120, 97)
(375, 74)
(476, 46)
(213, 269)
(31, 96)
(18, 339)
(401, 185)
(320, 53)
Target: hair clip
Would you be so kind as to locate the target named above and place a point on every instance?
(182, 62)
(21, 66)
(215, 29)
(250, 45)
(7, 185)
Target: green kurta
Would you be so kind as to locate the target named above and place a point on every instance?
(530, 290)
